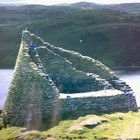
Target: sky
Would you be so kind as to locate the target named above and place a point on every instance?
(50, 2)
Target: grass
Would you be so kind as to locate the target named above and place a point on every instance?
(9, 133)
(118, 125)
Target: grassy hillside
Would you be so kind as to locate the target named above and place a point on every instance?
(111, 36)
(98, 127)
(125, 7)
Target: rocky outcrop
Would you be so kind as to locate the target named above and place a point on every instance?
(43, 72)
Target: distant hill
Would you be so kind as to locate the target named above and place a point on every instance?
(126, 7)
(110, 35)
(88, 5)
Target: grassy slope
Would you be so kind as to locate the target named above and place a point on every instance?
(108, 35)
(118, 125)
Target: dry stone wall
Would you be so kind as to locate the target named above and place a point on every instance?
(86, 64)
(104, 104)
(43, 72)
(29, 90)
(66, 77)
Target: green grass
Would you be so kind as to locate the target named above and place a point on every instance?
(9, 133)
(118, 125)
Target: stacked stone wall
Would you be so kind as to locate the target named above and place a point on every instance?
(104, 104)
(34, 98)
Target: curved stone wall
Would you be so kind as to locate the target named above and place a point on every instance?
(97, 102)
(43, 71)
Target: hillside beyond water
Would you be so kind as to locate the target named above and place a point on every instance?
(110, 34)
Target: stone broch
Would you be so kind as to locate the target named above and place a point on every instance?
(50, 81)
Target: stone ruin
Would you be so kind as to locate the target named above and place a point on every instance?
(49, 81)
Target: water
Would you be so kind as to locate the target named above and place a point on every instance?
(132, 77)
(5, 79)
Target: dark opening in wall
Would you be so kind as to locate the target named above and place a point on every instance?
(73, 85)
